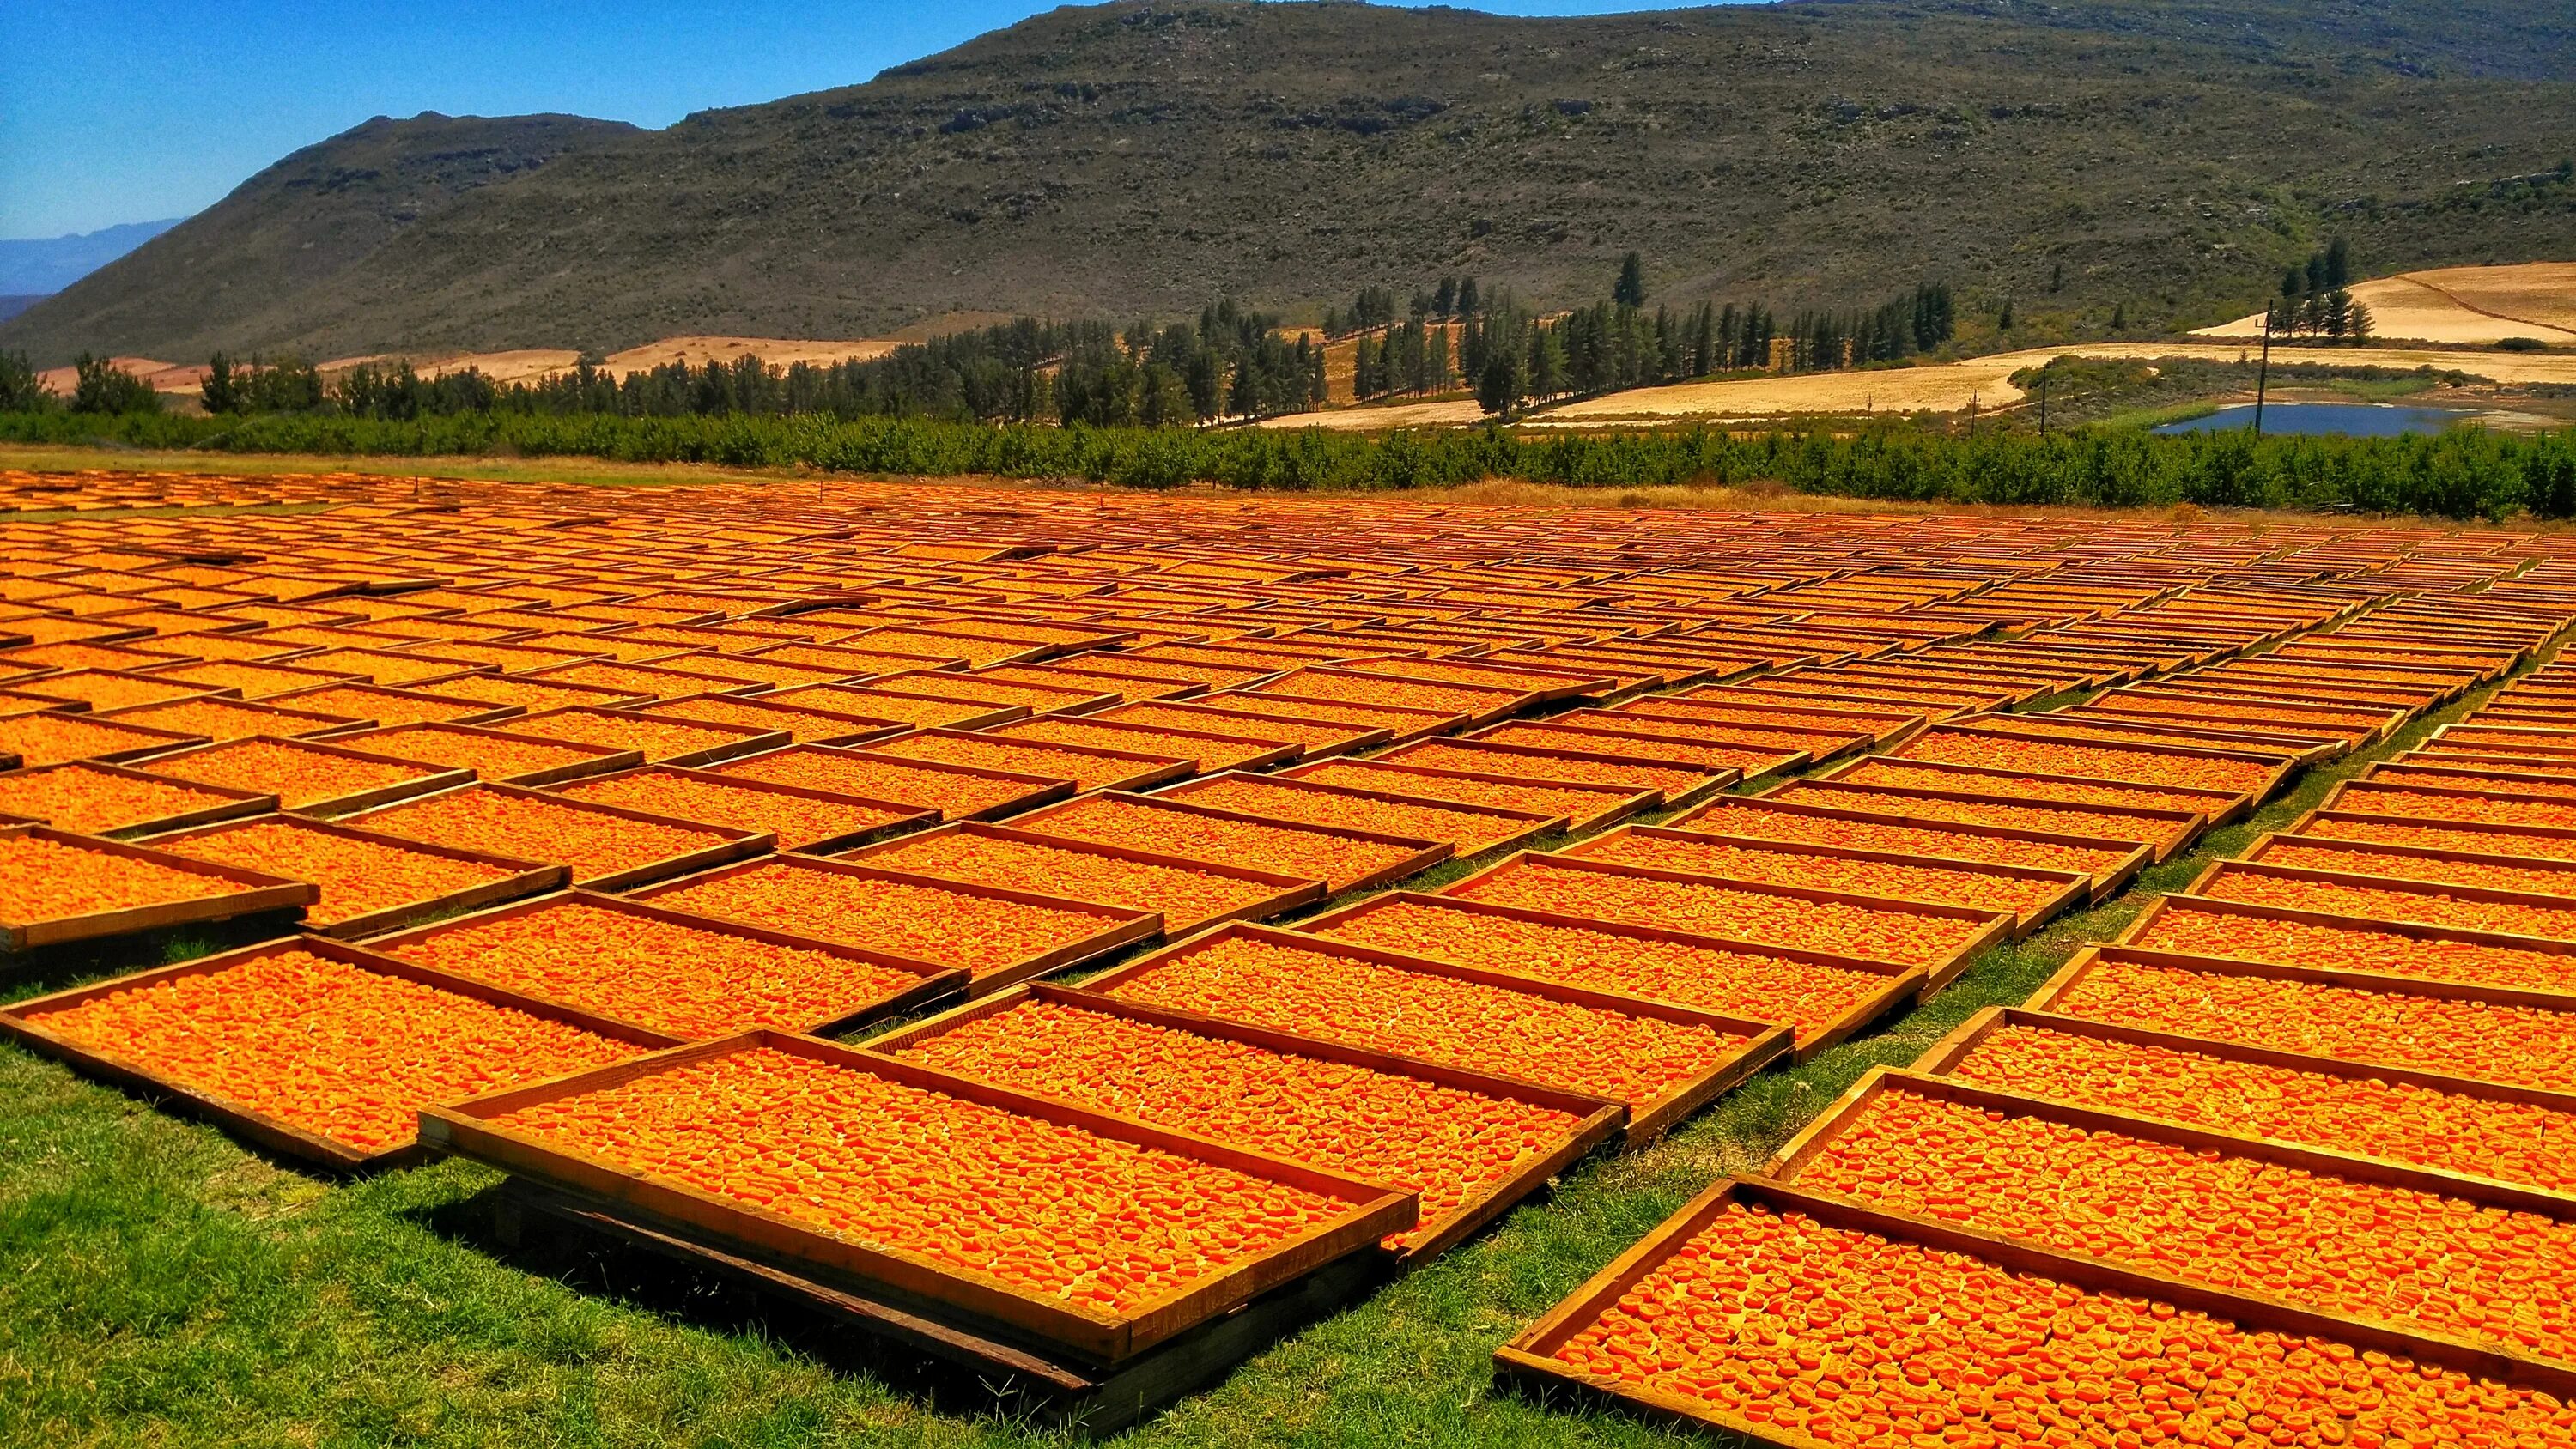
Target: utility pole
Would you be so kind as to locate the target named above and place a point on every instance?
(2263, 372)
(2043, 405)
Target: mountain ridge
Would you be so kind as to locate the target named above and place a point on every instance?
(1138, 159)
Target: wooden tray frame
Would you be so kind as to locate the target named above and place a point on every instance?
(259, 893)
(2054, 990)
(1937, 975)
(2224, 808)
(527, 878)
(999, 714)
(1075, 702)
(2218, 869)
(1218, 717)
(1526, 1357)
(1904, 983)
(602, 760)
(1509, 702)
(440, 778)
(284, 1138)
(1618, 805)
(1275, 755)
(1766, 1041)
(2131, 937)
(236, 803)
(738, 845)
(864, 731)
(1150, 769)
(937, 982)
(746, 741)
(919, 817)
(1597, 1117)
(466, 1128)
(1710, 783)
(1292, 892)
(2302, 829)
(1427, 853)
(168, 741)
(2134, 857)
(2075, 887)
(1783, 762)
(1129, 926)
(1042, 789)
(1435, 722)
(1532, 823)
(2278, 769)
(2254, 855)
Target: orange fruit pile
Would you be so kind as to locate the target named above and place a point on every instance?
(953, 928)
(340, 1052)
(1464, 831)
(903, 708)
(297, 776)
(752, 714)
(1442, 1142)
(2521, 1045)
(2385, 1253)
(982, 753)
(876, 777)
(654, 737)
(2188, 931)
(1400, 693)
(1896, 774)
(593, 844)
(1853, 1340)
(2533, 879)
(222, 719)
(1186, 898)
(500, 689)
(1938, 884)
(2380, 903)
(2479, 808)
(494, 757)
(1206, 756)
(1268, 730)
(1088, 1222)
(684, 980)
(1809, 995)
(45, 880)
(2435, 835)
(1306, 854)
(1515, 795)
(359, 701)
(1671, 779)
(1896, 838)
(1713, 757)
(94, 801)
(1710, 909)
(46, 738)
(2011, 814)
(356, 877)
(1626, 1058)
(2485, 1137)
(797, 820)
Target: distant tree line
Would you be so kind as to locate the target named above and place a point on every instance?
(1452, 299)
(2316, 298)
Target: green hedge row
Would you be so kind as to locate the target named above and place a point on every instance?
(2464, 473)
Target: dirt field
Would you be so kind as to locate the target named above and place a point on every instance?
(2461, 305)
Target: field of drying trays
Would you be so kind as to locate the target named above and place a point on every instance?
(861, 962)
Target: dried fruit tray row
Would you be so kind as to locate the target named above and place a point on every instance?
(2449, 801)
(1202, 752)
(957, 792)
(607, 847)
(2525, 842)
(1797, 1319)
(111, 689)
(307, 775)
(1676, 785)
(1088, 767)
(1468, 830)
(1044, 1221)
(990, 693)
(1751, 762)
(2448, 1124)
(222, 720)
(693, 977)
(500, 756)
(2293, 748)
(1663, 1061)
(1881, 727)
(802, 724)
(314, 1048)
(816, 821)
(2287, 936)
(2108, 864)
(2026, 894)
(1402, 723)
(659, 740)
(1822, 998)
(96, 799)
(1881, 772)
(1344, 859)
(918, 711)
(2487, 764)
(2503, 740)
(1000, 936)
(1581, 807)
(2424, 1253)
(519, 694)
(2454, 1028)
(2160, 832)
(1480, 706)
(1470, 1144)
(50, 737)
(2430, 864)
(1311, 739)
(368, 881)
(1187, 894)
(2231, 772)
(2357, 727)
(1645, 716)
(2379, 898)
(1939, 939)
(56, 886)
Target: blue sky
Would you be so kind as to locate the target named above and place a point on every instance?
(131, 112)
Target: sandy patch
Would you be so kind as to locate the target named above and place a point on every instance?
(2461, 305)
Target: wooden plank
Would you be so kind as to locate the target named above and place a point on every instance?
(2134, 855)
(1425, 853)
(524, 878)
(734, 845)
(2071, 886)
(1288, 892)
(434, 778)
(257, 893)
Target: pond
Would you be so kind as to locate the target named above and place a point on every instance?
(2353, 420)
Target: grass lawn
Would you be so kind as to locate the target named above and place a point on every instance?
(161, 1285)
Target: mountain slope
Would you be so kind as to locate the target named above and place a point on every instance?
(1137, 159)
(38, 267)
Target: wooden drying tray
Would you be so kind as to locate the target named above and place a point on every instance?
(1522, 826)
(1616, 804)
(1528, 1358)
(740, 740)
(974, 1301)
(854, 729)
(1766, 1041)
(228, 804)
(256, 893)
(1288, 892)
(2288, 843)
(1221, 722)
(1937, 974)
(1529, 764)
(1144, 770)
(935, 982)
(911, 817)
(2297, 749)
(439, 777)
(2304, 828)
(2222, 807)
(1143, 737)
(525, 878)
(1903, 983)
(1596, 1117)
(735, 845)
(2074, 887)
(2134, 857)
(1426, 853)
(22, 1023)
(1625, 743)
(2277, 767)
(600, 759)
(1123, 926)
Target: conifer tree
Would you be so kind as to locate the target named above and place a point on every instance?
(1630, 289)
